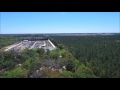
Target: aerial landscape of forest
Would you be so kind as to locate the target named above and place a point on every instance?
(60, 45)
(95, 56)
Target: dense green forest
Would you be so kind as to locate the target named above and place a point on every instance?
(100, 53)
(59, 63)
(76, 57)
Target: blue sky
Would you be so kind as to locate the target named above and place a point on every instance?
(59, 22)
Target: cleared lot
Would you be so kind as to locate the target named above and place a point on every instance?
(19, 46)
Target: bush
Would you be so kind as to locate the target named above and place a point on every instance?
(70, 65)
(54, 54)
(16, 73)
(67, 74)
(82, 75)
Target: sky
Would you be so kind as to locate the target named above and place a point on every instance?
(59, 22)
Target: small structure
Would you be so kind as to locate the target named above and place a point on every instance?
(25, 40)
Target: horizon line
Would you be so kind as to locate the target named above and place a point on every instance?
(63, 33)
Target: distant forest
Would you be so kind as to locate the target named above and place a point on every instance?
(100, 53)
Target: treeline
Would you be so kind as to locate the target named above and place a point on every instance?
(100, 53)
(8, 40)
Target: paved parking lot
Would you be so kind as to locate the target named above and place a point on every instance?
(19, 46)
